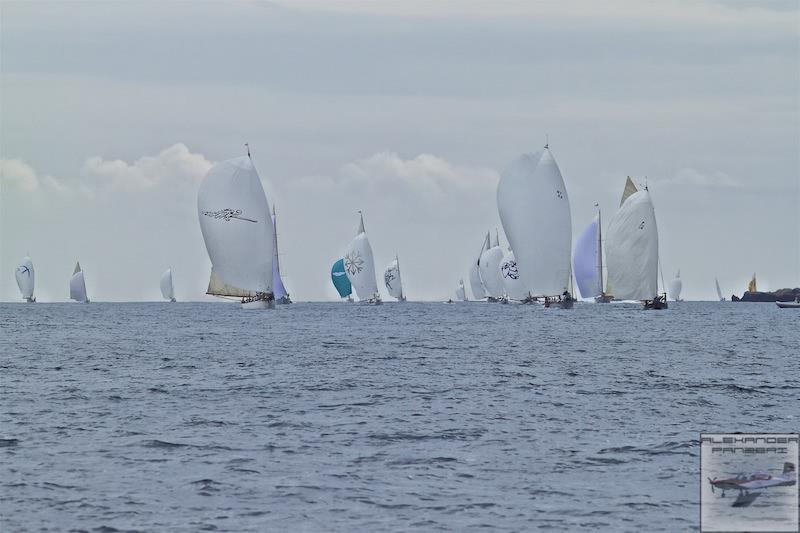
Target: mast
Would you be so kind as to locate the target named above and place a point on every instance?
(600, 250)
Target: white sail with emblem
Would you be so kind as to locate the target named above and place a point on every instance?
(25, 278)
(237, 229)
(512, 282)
(632, 249)
(391, 278)
(359, 265)
(534, 208)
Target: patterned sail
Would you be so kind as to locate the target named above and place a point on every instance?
(586, 261)
(490, 271)
(340, 280)
(391, 278)
(359, 265)
(512, 282)
(632, 249)
(534, 208)
(25, 278)
(237, 228)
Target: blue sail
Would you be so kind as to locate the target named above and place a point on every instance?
(585, 261)
(339, 278)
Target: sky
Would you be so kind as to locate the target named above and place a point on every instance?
(111, 113)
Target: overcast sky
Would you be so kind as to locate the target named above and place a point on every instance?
(111, 113)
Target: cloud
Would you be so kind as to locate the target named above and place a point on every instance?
(18, 174)
(173, 163)
(697, 178)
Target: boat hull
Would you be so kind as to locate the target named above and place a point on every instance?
(259, 304)
(788, 305)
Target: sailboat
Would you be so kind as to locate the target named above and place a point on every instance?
(238, 233)
(751, 287)
(719, 292)
(278, 289)
(675, 287)
(340, 280)
(475, 282)
(461, 293)
(489, 269)
(167, 290)
(77, 285)
(25, 279)
(512, 282)
(632, 249)
(360, 266)
(534, 209)
(587, 261)
(391, 277)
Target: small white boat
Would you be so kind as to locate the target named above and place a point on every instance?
(789, 305)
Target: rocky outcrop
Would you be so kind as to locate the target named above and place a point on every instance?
(781, 295)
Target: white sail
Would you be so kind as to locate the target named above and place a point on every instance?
(461, 293)
(26, 278)
(632, 249)
(167, 290)
(475, 283)
(675, 287)
(490, 272)
(719, 291)
(77, 285)
(391, 278)
(534, 208)
(236, 225)
(277, 281)
(512, 282)
(360, 266)
(587, 261)
(218, 287)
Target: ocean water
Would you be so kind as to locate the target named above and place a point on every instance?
(342, 417)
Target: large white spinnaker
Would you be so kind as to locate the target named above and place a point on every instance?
(675, 287)
(587, 261)
(77, 285)
(391, 277)
(512, 282)
(237, 230)
(26, 278)
(359, 266)
(167, 289)
(632, 249)
(489, 269)
(534, 208)
(475, 282)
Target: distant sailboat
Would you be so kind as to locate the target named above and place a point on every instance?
(167, 290)
(25, 279)
(461, 293)
(751, 287)
(77, 285)
(587, 262)
(237, 229)
(534, 208)
(675, 287)
(394, 284)
(719, 292)
(360, 266)
(632, 250)
(278, 289)
(512, 282)
(489, 269)
(475, 283)
(340, 280)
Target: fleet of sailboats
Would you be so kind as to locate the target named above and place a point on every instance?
(167, 290)
(237, 229)
(25, 276)
(77, 285)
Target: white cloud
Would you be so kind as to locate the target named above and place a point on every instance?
(173, 163)
(18, 174)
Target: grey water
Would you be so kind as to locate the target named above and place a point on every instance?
(343, 417)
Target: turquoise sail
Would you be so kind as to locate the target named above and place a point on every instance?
(339, 278)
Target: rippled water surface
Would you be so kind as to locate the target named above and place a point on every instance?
(338, 417)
